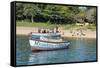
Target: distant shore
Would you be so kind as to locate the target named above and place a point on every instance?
(65, 33)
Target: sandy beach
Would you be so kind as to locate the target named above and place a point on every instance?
(65, 33)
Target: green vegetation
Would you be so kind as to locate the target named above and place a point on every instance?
(49, 16)
(48, 25)
(35, 24)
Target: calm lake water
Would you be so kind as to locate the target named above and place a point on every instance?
(79, 50)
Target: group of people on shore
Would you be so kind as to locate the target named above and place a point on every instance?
(78, 32)
(55, 30)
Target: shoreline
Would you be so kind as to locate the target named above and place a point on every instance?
(65, 33)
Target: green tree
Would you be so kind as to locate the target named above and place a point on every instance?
(81, 16)
(19, 11)
(56, 14)
(31, 10)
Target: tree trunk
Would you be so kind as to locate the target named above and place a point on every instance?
(32, 20)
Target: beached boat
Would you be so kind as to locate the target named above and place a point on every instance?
(47, 43)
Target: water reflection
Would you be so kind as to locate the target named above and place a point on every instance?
(79, 50)
(47, 57)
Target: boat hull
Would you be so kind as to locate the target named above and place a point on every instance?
(42, 45)
(46, 34)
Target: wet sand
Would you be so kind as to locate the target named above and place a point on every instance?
(65, 33)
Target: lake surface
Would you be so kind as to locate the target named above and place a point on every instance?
(80, 49)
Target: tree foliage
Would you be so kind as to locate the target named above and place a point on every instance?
(56, 14)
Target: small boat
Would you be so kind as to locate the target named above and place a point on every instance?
(47, 43)
(45, 34)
